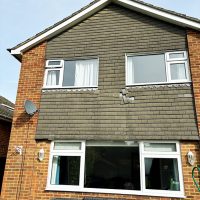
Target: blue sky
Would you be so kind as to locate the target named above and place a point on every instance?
(22, 19)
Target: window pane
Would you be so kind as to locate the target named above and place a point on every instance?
(69, 73)
(146, 69)
(112, 143)
(162, 174)
(160, 147)
(176, 55)
(178, 71)
(112, 168)
(54, 62)
(53, 77)
(81, 73)
(65, 170)
(67, 146)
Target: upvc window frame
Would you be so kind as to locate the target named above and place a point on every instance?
(167, 62)
(142, 155)
(59, 68)
(167, 54)
(174, 155)
(78, 153)
(61, 77)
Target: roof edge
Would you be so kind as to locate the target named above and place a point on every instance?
(136, 5)
(80, 16)
(161, 13)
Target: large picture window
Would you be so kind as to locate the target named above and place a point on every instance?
(169, 67)
(71, 73)
(124, 167)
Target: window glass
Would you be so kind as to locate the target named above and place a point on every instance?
(54, 62)
(69, 73)
(160, 147)
(116, 165)
(178, 71)
(53, 77)
(162, 174)
(112, 167)
(65, 170)
(146, 69)
(80, 73)
(176, 55)
(67, 146)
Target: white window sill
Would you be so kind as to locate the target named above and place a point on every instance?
(159, 83)
(70, 89)
(113, 191)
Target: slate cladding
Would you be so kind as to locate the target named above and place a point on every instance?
(157, 112)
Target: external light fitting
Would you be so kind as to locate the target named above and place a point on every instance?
(41, 155)
(190, 158)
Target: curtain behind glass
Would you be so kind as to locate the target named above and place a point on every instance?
(52, 77)
(55, 173)
(86, 73)
(178, 71)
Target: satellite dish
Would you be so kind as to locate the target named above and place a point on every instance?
(30, 107)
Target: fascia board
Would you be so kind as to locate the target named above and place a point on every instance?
(159, 14)
(54, 31)
(145, 9)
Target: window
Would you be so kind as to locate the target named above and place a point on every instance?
(105, 166)
(53, 73)
(162, 169)
(160, 68)
(66, 164)
(71, 73)
(124, 167)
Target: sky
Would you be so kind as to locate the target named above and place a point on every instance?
(21, 19)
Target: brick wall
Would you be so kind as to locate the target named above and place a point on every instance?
(34, 188)
(23, 129)
(194, 55)
(5, 128)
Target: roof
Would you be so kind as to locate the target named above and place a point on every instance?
(135, 5)
(6, 109)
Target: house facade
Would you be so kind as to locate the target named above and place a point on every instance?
(6, 113)
(116, 86)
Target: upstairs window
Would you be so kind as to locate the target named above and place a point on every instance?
(71, 73)
(160, 68)
(53, 73)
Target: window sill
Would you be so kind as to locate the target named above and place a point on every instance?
(112, 191)
(159, 83)
(69, 89)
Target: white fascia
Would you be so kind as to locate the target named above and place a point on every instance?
(145, 9)
(70, 22)
(159, 14)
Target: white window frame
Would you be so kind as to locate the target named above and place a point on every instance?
(61, 69)
(80, 153)
(142, 155)
(176, 52)
(168, 61)
(150, 154)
